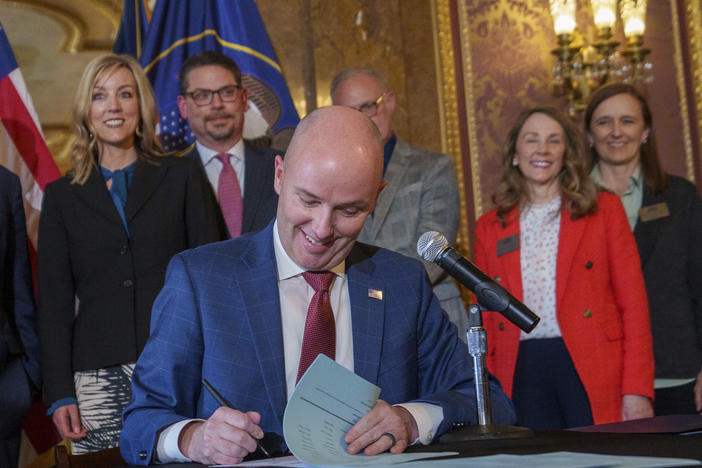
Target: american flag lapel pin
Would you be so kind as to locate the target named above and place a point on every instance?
(375, 294)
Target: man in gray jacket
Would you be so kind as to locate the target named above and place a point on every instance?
(421, 192)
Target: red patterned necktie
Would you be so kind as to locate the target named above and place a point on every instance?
(229, 193)
(320, 331)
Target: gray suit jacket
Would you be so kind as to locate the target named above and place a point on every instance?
(421, 195)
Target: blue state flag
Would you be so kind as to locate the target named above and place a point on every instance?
(181, 28)
(132, 29)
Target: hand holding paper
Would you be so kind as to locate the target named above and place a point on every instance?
(327, 403)
(384, 428)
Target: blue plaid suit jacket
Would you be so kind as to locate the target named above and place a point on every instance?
(218, 318)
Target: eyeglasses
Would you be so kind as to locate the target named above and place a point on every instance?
(203, 97)
(369, 109)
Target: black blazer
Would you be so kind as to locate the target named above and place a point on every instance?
(19, 344)
(671, 257)
(87, 264)
(260, 199)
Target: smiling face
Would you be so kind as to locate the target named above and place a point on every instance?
(541, 145)
(328, 185)
(617, 129)
(114, 109)
(219, 124)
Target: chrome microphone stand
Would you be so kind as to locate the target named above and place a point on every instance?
(485, 429)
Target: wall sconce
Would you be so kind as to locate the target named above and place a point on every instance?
(578, 70)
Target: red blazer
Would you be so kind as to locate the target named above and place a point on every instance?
(601, 304)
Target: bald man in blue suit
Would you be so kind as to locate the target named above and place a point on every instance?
(227, 313)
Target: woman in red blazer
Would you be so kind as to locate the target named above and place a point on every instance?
(567, 251)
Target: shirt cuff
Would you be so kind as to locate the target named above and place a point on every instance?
(428, 418)
(167, 449)
(59, 403)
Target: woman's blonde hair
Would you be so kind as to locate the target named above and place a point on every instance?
(84, 151)
(575, 184)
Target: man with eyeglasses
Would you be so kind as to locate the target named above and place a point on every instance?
(421, 192)
(213, 100)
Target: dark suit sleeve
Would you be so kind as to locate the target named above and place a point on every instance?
(25, 318)
(201, 209)
(694, 265)
(56, 300)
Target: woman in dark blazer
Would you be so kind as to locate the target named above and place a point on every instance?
(566, 251)
(106, 234)
(665, 213)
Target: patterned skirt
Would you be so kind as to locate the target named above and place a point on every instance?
(102, 396)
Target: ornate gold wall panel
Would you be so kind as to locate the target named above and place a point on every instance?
(693, 15)
(448, 100)
(392, 36)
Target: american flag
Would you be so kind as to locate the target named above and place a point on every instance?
(24, 151)
(179, 29)
(22, 146)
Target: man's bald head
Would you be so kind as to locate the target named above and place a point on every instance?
(328, 185)
(338, 123)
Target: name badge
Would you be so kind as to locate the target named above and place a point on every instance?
(652, 212)
(507, 245)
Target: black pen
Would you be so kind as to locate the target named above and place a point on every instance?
(223, 402)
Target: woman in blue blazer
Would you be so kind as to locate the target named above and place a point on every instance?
(665, 213)
(106, 234)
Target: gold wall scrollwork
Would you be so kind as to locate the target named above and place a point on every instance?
(74, 27)
(448, 107)
(684, 108)
(693, 15)
(469, 103)
(76, 30)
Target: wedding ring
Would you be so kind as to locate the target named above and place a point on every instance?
(392, 438)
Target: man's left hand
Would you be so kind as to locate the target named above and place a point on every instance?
(375, 431)
(636, 407)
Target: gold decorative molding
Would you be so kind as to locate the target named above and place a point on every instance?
(58, 139)
(448, 107)
(470, 116)
(693, 14)
(680, 75)
(74, 26)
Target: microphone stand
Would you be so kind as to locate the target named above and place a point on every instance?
(485, 429)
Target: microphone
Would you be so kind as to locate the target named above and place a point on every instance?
(432, 246)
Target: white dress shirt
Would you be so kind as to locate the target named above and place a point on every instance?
(295, 296)
(213, 166)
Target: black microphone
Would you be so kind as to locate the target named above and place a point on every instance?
(432, 246)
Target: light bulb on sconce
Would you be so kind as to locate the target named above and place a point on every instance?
(578, 71)
(563, 14)
(604, 13)
(634, 18)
